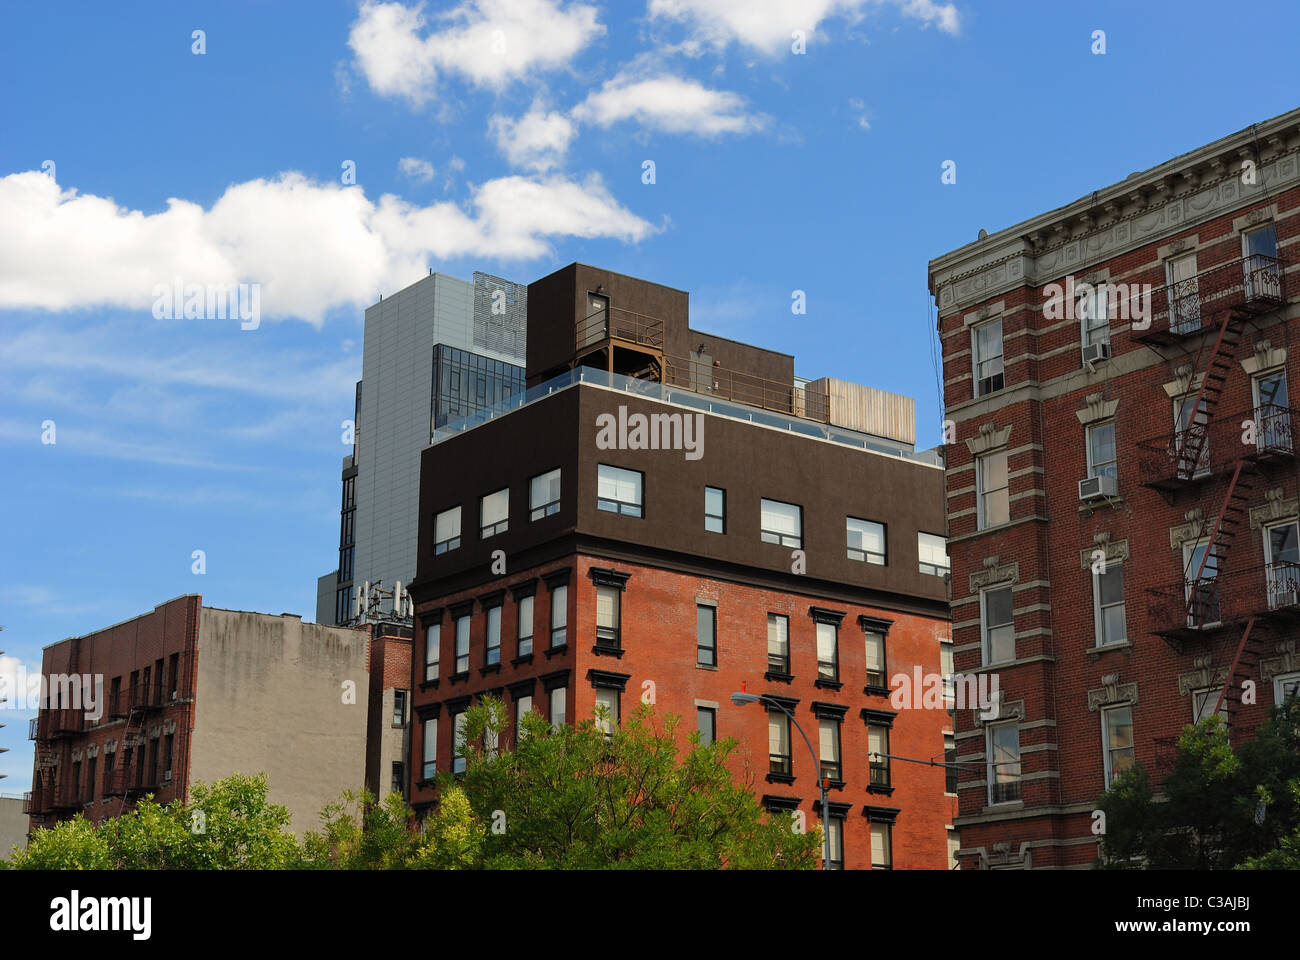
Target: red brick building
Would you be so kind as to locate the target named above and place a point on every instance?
(1122, 486)
(789, 544)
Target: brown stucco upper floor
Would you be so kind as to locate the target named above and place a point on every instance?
(828, 481)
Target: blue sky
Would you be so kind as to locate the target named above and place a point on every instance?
(509, 137)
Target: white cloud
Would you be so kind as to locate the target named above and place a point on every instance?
(767, 25)
(311, 246)
(416, 169)
(669, 103)
(487, 42)
(537, 141)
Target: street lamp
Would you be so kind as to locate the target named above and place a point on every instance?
(741, 699)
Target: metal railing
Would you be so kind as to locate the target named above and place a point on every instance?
(618, 324)
(1262, 433)
(1189, 608)
(1251, 285)
(751, 390)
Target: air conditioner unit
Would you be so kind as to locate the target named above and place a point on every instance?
(1094, 353)
(175, 695)
(1094, 487)
(167, 776)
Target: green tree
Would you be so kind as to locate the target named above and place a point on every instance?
(578, 798)
(1218, 808)
(359, 833)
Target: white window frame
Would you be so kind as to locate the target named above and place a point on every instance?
(926, 549)
(548, 506)
(775, 535)
(1107, 748)
(1093, 465)
(1282, 587)
(429, 749)
(502, 523)
(1098, 611)
(986, 644)
(1203, 464)
(990, 766)
(525, 614)
(981, 491)
(449, 543)
(609, 698)
(1100, 298)
(1280, 683)
(1206, 697)
(432, 650)
(607, 473)
(886, 832)
(865, 529)
(492, 635)
(562, 693)
(458, 759)
(459, 646)
(522, 706)
(1189, 569)
(977, 361)
(1188, 319)
(559, 611)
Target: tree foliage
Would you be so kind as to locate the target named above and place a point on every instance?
(1218, 808)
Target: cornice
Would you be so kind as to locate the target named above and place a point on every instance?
(1187, 190)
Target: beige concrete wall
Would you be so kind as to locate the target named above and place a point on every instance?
(270, 699)
(13, 825)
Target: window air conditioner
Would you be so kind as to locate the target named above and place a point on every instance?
(1094, 353)
(167, 776)
(1093, 487)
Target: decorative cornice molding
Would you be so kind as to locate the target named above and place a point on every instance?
(1096, 408)
(1112, 693)
(994, 573)
(1183, 382)
(1287, 661)
(1005, 710)
(1204, 676)
(1275, 507)
(1264, 358)
(1197, 526)
(989, 438)
(1115, 551)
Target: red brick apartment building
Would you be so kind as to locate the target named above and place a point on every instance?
(194, 693)
(797, 550)
(1122, 490)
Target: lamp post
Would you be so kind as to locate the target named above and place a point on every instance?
(741, 699)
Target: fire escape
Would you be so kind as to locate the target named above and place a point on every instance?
(1215, 599)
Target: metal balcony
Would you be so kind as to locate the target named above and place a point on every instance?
(1189, 611)
(1247, 287)
(63, 723)
(1165, 462)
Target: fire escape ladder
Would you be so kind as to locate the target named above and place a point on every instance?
(1191, 441)
(1232, 512)
(1249, 650)
(123, 773)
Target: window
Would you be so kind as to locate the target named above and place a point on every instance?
(559, 614)
(430, 750)
(881, 846)
(493, 635)
(1272, 413)
(947, 669)
(715, 510)
(828, 659)
(950, 764)
(494, 513)
(878, 751)
(1117, 740)
(706, 721)
(1108, 605)
(706, 635)
(866, 540)
(398, 786)
(607, 615)
(781, 523)
(1201, 572)
(1285, 686)
(558, 699)
(829, 743)
(834, 827)
(1204, 703)
(1259, 253)
(1184, 294)
(522, 706)
(933, 553)
(987, 353)
(525, 626)
(446, 531)
(999, 627)
(399, 708)
(1101, 450)
(1094, 313)
(993, 495)
(607, 697)
(544, 495)
(174, 672)
(432, 650)
(169, 752)
(778, 643)
(1003, 762)
(458, 743)
(1190, 432)
(462, 644)
(876, 678)
(778, 743)
(619, 490)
